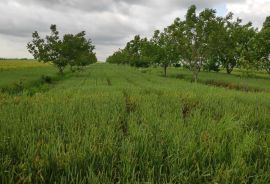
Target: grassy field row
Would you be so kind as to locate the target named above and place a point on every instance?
(117, 124)
(238, 80)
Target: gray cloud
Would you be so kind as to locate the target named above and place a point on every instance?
(252, 10)
(206, 3)
(109, 23)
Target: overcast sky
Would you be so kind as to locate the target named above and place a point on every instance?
(109, 23)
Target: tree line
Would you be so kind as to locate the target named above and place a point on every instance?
(202, 41)
(14, 59)
(75, 51)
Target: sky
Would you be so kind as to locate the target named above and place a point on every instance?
(109, 23)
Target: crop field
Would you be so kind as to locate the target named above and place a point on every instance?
(240, 80)
(16, 71)
(118, 124)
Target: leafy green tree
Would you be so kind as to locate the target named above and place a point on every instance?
(258, 52)
(165, 49)
(119, 57)
(249, 57)
(217, 46)
(193, 36)
(264, 45)
(237, 38)
(48, 49)
(137, 52)
(229, 40)
(133, 50)
(73, 50)
(201, 41)
(78, 50)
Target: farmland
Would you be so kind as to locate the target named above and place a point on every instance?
(118, 124)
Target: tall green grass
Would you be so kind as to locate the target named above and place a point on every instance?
(115, 124)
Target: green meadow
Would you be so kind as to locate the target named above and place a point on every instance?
(118, 124)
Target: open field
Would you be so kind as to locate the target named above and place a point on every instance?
(15, 71)
(117, 124)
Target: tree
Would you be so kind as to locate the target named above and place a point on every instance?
(119, 57)
(237, 39)
(165, 49)
(201, 41)
(137, 52)
(49, 50)
(74, 50)
(229, 53)
(264, 45)
(78, 50)
(193, 36)
(258, 52)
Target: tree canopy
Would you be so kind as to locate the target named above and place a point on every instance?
(73, 50)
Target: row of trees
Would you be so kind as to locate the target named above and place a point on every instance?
(202, 41)
(73, 50)
(13, 59)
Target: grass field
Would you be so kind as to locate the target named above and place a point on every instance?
(117, 124)
(254, 81)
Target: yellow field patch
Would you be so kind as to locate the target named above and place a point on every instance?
(16, 64)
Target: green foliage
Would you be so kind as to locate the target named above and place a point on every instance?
(119, 57)
(239, 36)
(211, 65)
(266, 24)
(73, 50)
(136, 53)
(166, 50)
(195, 40)
(258, 53)
(78, 50)
(201, 41)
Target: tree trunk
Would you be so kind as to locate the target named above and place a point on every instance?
(196, 70)
(165, 71)
(229, 69)
(195, 75)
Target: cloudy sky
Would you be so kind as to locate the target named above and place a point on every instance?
(109, 23)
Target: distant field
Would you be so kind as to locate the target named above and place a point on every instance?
(14, 71)
(117, 124)
(18, 64)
